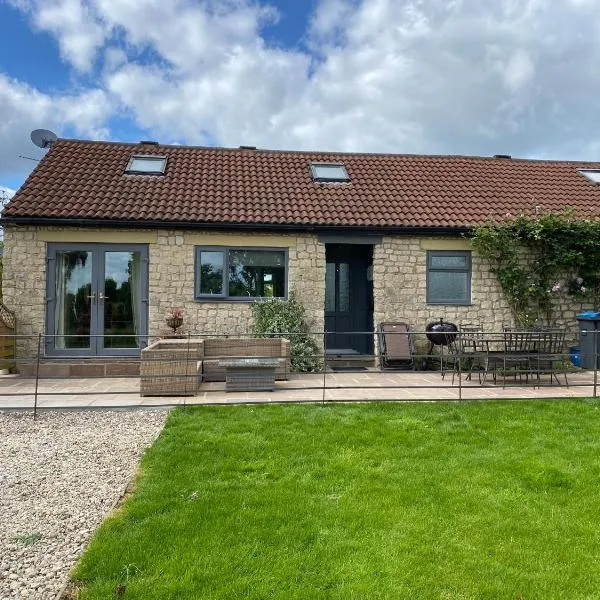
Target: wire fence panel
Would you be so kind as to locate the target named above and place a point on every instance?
(228, 368)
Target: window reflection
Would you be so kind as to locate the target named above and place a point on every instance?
(72, 314)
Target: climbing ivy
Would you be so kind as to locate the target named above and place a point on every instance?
(538, 258)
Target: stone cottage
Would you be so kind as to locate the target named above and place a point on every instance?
(103, 238)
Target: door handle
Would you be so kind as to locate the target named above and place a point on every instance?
(101, 296)
(92, 297)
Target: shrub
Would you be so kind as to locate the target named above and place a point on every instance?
(275, 317)
(541, 257)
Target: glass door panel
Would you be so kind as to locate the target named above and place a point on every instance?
(73, 300)
(119, 299)
(97, 299)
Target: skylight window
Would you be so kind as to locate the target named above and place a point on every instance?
(329, 173)
(592, 174)
(147, 165)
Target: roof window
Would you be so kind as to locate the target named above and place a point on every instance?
(147, 165)
(592, 174)
(329, 173)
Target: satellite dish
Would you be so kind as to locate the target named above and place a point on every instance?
(43, 138)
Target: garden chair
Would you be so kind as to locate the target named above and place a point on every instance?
(396, 346)
(549, 354)
(469, 352)
(516, 358)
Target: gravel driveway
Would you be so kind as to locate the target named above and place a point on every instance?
(59, 476)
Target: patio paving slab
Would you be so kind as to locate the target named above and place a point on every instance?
(18, 392)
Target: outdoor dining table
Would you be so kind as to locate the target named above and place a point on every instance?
(514, 352)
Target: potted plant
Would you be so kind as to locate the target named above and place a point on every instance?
(174, 318)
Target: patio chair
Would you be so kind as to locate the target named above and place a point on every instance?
(473, 352)
(516, 358)
(396, 346)
(468, 353)
(549, 354)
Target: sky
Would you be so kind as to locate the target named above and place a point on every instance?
(475, 77)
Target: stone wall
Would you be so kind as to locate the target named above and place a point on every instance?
(171, 276)
(172, 280)
(399, 280)
(24, 284)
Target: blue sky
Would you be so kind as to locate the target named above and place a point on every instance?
(409, 76)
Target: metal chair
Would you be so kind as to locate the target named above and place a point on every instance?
(548, 351)
(517, 354)
(471, 352)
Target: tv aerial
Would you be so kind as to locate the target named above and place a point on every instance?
(43, 138)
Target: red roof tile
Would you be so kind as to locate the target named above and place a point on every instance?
(87, 181)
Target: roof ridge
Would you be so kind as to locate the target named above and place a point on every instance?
(247, 150)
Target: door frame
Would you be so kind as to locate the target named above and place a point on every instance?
(357, 256)
(97, 250)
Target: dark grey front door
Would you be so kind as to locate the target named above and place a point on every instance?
(348, 299)
(97, 300)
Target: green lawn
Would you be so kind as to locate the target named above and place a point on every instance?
(443, 500)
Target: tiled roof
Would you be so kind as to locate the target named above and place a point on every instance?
(87, 181)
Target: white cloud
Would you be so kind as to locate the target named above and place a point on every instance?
(23, 108)
(515, 76)
(6, 192)
(386, 75)
(78, 30)
(328, 23)
(190, 35)
(519, 71)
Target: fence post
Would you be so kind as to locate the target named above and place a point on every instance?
(187, 368)
(595, 332)
(460, 355)
(324, 366)
(37, 376)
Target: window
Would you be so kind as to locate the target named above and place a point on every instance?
(240, 273)
(147, 165)
(329, 173)
(592, 174)
(448, 277)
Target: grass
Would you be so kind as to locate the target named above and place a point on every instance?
(28, 539)
(444, 501)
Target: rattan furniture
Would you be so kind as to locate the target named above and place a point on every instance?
(170, 368)
(249, 374)
(216, 350)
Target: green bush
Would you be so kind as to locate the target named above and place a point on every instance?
(275, 317)
(541, 259)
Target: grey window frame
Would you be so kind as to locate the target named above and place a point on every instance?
(224, 297)
(468, 270)
(152, 157)
(319, 179)
(97, 249)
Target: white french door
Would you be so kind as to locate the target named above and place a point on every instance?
(97, 299)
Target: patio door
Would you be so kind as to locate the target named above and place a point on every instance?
(97, 299)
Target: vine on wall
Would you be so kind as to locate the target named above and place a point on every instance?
(538, 258)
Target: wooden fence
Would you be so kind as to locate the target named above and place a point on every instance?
(8, 342)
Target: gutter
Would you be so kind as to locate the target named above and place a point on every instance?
(160, 224)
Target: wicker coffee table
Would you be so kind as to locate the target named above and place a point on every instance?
(249, 374)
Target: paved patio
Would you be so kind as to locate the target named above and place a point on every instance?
(18, 392)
